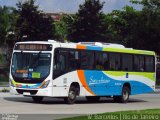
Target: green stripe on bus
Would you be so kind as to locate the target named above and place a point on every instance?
(131, 51)
(149, 75)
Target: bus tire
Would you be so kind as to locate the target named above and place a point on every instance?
(37, 99)
(125, 94)
(71, 95)
(92, 98)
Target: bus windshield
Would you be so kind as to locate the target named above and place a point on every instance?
(31, 65)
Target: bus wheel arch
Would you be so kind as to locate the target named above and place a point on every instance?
(77, 86)
(73, 92)
(128, 86)
(124, 97)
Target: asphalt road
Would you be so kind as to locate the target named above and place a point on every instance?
(13, 104)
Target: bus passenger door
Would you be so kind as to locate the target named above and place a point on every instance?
(60, 64)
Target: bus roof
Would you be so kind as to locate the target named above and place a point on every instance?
(93, 46)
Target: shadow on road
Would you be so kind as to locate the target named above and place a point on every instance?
(48, 101)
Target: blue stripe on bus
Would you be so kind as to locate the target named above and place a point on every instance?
(102, 84)
(30, 86)
(94, 48)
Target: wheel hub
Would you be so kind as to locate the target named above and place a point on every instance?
(125, 95)
(71, 95)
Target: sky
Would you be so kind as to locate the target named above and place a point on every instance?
(72, 6)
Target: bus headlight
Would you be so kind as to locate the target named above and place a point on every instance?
(45, 84)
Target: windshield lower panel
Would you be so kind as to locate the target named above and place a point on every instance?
(30, 67)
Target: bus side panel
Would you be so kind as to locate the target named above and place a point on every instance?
(103, 83)
(140, 82)
(62, 84)
(100, 84)
(108, 83)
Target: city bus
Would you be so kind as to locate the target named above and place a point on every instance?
(86, 69)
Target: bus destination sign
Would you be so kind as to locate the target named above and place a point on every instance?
(34, 47)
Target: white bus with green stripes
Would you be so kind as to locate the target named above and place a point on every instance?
(87, 69)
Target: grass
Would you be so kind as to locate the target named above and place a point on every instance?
(148, 114)
(4, 90)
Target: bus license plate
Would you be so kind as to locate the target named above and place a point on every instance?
(26, 93)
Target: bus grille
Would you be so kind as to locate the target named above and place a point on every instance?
(32, 92)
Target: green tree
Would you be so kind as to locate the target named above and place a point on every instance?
(123, 26)
(62, 27)
(148, 29)
(33, 24)
(137, 29)
(151, 33)
(7, 22)
(88, 24)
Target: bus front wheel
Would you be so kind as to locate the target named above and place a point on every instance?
(37, 99)
(71, 96)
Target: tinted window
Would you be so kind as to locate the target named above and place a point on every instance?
(114, 61)
(87, 60)
(139, 63)
(101, 61)
(127, 62)
(149, 63)
(73, 60)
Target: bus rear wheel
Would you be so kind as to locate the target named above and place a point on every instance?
(124, 96)
(71, 95)
(37, 99)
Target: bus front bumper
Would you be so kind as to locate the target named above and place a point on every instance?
(31, 92)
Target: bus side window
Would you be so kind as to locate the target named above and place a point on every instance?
(114, 61)
(87, 60)
(73, 60)
(127, 62)
(149, 63)
(99, 61)
(139, 63)
(105, 61)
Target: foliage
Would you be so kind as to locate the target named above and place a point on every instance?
(122, 25)
(136, 29)
(88, 24)
(7, 22)
(132, 28)
(62, 26)
(150, 16)
(32, 24)
(4, 90)
(1, 58)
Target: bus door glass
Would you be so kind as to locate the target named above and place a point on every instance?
(60, 63)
